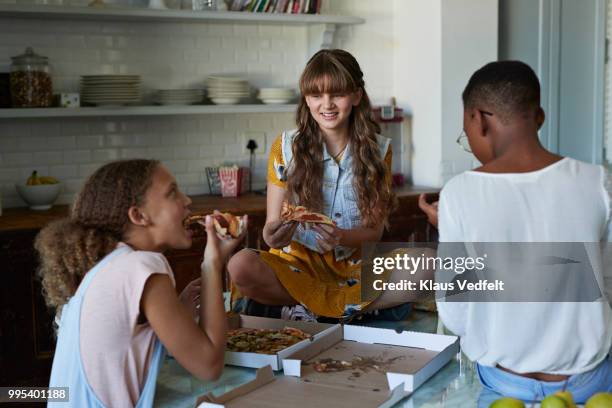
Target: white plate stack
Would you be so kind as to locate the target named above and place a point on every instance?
(227, 90)
(179, 96)
(274, 96)
(110, 89)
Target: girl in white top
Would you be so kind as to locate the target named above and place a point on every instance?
(523, 193)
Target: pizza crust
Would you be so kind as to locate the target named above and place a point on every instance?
(298, 213)
(226, 224)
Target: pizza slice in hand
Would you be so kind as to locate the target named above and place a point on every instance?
(302, 215)
(226, 224)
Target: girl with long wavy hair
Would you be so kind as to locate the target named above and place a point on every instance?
(335, 163)
(103, 270)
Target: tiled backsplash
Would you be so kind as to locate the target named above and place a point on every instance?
(70, 149)
(166, 55)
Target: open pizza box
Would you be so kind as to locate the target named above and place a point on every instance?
(387, 367)
(257, 360)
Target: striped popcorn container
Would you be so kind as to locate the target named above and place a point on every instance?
(234, 180)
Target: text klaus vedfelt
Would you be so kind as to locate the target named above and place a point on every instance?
(412, 264)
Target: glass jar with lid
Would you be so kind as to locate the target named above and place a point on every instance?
(30, 79)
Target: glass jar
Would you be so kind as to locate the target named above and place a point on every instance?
(5, 93)
(30, 79)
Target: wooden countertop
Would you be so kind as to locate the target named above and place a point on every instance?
(255, 204)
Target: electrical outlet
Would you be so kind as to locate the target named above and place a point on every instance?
(258, 137)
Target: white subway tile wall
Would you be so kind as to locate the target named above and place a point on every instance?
(185, 144)
(372, 43)
(166, 55)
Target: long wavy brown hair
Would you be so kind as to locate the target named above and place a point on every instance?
(337, 72)
(98, 220)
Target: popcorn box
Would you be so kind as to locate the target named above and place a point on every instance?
(234, 180)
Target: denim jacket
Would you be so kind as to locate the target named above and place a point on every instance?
(339, 199)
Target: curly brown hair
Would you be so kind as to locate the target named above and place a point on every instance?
(70, 247)
(337, 72)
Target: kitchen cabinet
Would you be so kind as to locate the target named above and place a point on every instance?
(26, 325)
(408, 223)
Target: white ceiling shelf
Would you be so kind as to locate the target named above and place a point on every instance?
(15, 113)
(113, 13)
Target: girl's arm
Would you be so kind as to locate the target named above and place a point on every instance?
(201, 349)
(276, 233)
(431, 210)
(332, 236)
(353, 238)
(275, 195)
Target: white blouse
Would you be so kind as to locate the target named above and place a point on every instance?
(567, 201)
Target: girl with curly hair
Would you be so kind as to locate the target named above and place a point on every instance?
(334, 163)
(103, 270)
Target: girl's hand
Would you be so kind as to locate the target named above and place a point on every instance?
(278, 234)
(190, 296)
(218, 249)
(329, 237)
(431, 210)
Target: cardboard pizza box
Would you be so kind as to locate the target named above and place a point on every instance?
(268, 391)
(257, 360)
(388, 358)
(395, 365)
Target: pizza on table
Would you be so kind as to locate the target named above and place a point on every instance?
(264, 341)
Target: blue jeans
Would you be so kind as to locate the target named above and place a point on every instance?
(496, 381)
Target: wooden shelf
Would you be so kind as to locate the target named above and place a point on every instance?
(142, 111)
(114, 13)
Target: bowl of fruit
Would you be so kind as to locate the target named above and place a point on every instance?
(39, 192)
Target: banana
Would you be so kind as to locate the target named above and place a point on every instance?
(33, 180)
(48, 180)
(36, 180)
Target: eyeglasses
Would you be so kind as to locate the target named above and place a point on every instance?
(463, 141)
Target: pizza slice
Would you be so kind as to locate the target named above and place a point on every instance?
(194, 219)
(226, 224)
(302, 215)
